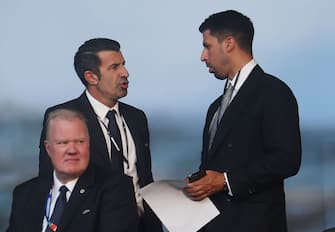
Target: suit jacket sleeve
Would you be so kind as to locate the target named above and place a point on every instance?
(148, 167)
(279, 143)
(28, 205)
(13, 216)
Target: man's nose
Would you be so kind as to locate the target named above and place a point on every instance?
(125, 72)
(204, 55)
(72, 148)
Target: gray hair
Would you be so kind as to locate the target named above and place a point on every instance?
(65, 114)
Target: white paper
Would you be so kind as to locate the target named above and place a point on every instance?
(176, 211)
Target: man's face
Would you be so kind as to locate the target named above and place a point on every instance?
(68, 147)
(113, 82)
(214, 55)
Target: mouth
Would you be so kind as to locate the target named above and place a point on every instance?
(72, 160)
(124, 84)
(210, 69)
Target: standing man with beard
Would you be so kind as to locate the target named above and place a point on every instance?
(251, 138)
(119, 132)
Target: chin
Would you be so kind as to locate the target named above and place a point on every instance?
(67, 175)
(75, 169)
(123, 94)
(220, 77)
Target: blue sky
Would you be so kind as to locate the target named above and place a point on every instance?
(294, 40)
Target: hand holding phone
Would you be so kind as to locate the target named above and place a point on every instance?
(196, 176)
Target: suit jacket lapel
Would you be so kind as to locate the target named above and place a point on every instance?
(96, 135)
(80, 193)
(134, 128)
(130, 120)
(210, 116)
(237, 107)
(132, 124)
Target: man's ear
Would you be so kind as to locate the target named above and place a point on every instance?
(229, 43)
(91, 78)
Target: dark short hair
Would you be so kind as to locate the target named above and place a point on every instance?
(65, 114)
(86, 58)
(230, 23)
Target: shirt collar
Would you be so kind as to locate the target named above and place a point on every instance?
(57, 184)
(100, 109)
(244, 73)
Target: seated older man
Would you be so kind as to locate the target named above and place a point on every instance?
(76, 197)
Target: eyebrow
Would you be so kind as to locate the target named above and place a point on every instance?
(116, 64)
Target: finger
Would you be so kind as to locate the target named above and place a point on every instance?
(193, 195)
(199, 197)
(193, 190)
(201, 181)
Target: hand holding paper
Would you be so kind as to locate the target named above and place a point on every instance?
(209, 184)
(177, 212)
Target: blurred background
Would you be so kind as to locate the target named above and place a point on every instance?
(294, 40)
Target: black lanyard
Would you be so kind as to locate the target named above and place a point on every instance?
(125, 157)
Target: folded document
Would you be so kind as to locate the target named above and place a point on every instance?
(176, 211)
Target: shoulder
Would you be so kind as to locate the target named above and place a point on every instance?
(71, 104)
(130, 108)
(274, 82)
(276, 87)
(31, 185)
(133, 114)
(273, 91)
(270, 85)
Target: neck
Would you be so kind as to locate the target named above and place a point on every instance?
(106, 101)
(64, 179)
(238, 63)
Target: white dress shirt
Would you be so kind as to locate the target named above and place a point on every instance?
(130, 169)
(244, 73)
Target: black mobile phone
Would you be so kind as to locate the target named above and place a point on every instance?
(196, 176)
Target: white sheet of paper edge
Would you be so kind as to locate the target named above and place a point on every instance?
(176, 211)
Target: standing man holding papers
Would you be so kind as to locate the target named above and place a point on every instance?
(251, 138)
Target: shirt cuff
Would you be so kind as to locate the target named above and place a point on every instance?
(227, 184)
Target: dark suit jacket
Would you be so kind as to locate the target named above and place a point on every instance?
(138, 126)
(99, 202)
(258, 145)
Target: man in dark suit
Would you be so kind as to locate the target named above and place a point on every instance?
(93, 200)
(251, 138)
(100, 66)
